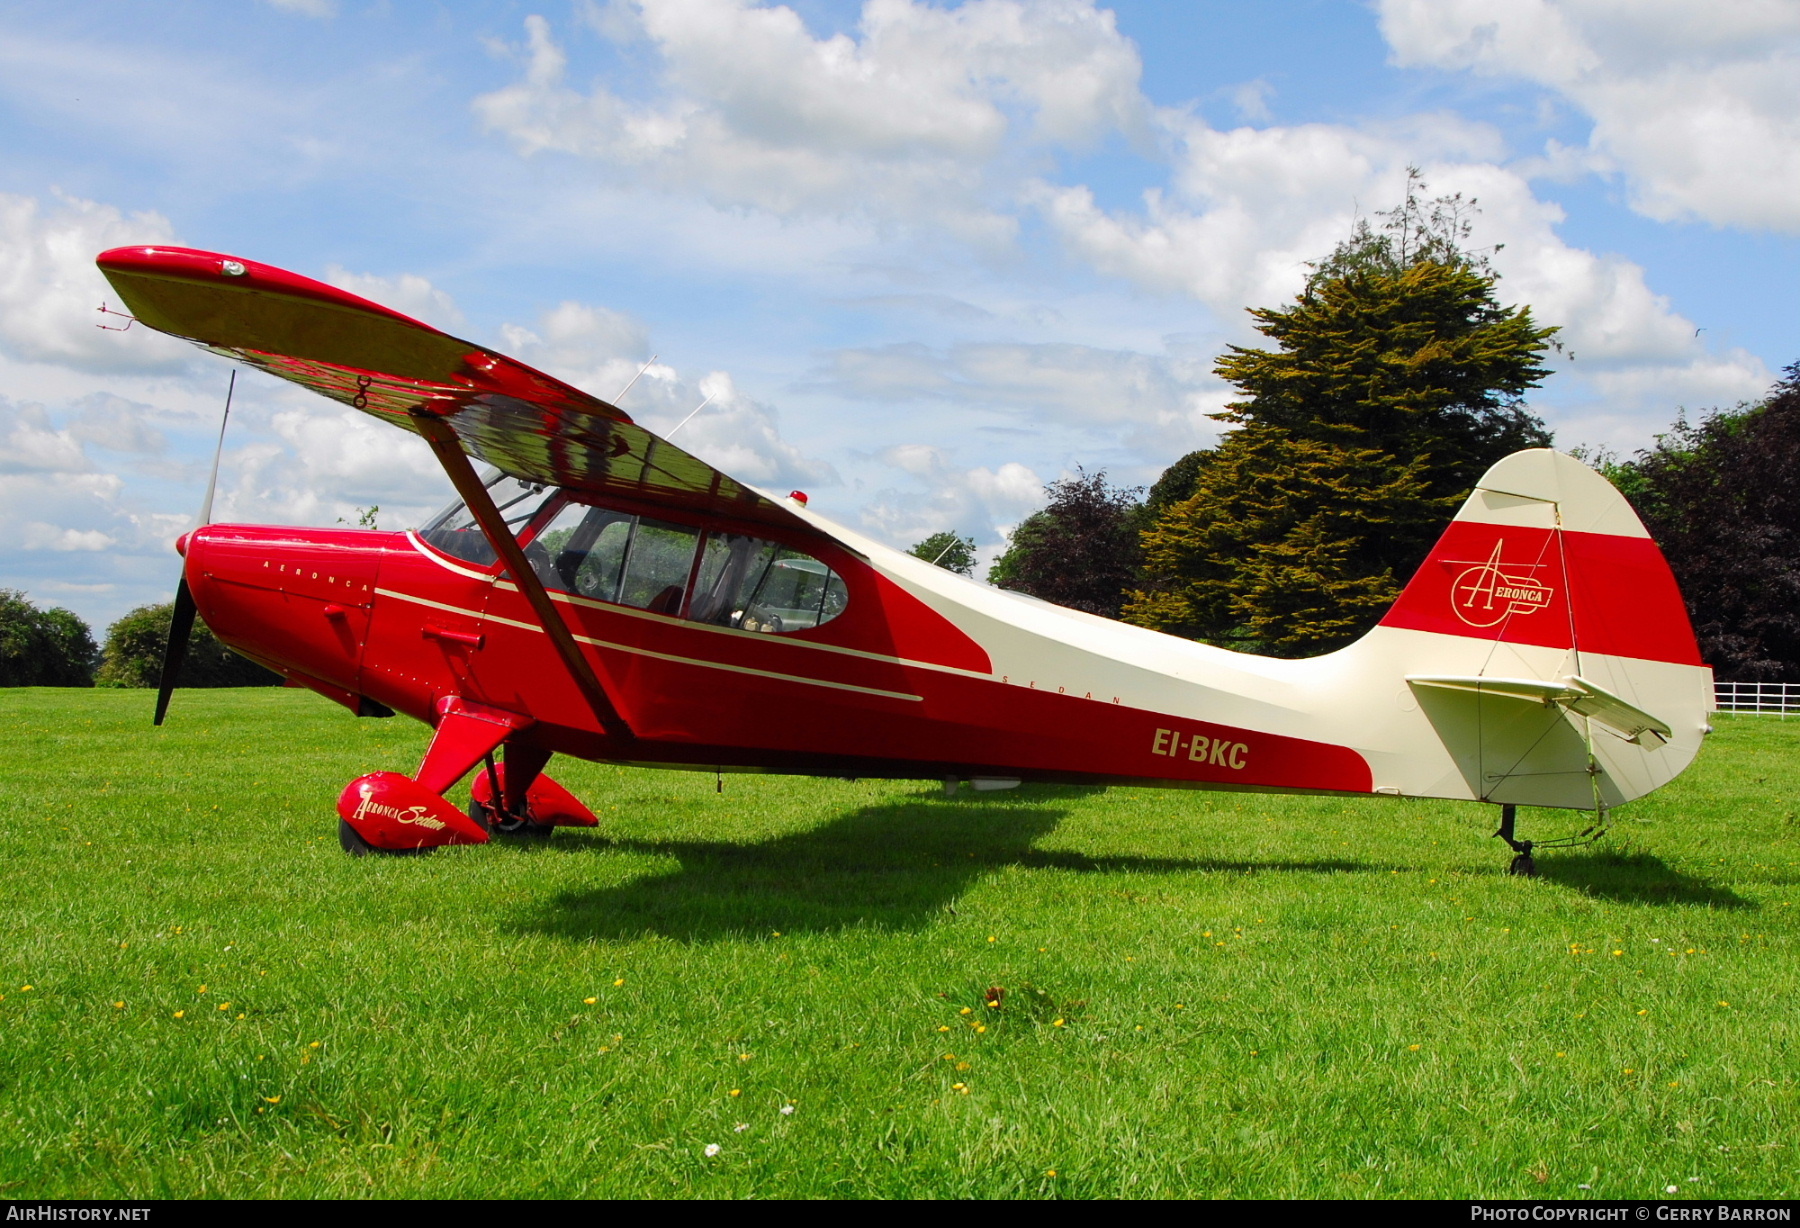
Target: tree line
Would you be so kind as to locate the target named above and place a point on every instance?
(54, 647)
(1396, 378)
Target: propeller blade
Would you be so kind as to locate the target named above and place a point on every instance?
(181, 622)
(181, 625)
(212, 483)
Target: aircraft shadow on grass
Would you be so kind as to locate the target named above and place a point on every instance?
(1625, 877)
(891, 867)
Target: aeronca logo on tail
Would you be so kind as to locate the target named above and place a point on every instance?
(1487, 592)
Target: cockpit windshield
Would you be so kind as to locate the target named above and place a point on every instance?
(455, 532)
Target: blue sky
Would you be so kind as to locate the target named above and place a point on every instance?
(923, 257)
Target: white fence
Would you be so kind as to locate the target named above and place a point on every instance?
(1780, 697)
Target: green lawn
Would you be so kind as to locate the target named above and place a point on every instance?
(1204, 994)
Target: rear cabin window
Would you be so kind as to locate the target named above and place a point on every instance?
(725, 579)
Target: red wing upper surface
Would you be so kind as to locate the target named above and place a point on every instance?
(523, 422)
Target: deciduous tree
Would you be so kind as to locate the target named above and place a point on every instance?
(1722, 498)
(43, 647)
(136, 643)
(1080, 551)
(951, 551)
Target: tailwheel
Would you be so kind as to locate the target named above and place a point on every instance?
(1524, 865)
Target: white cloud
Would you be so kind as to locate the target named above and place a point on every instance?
(1698, 106)
(29, 443)
(407, 293)
(1161, 400)
(37, 535)
(1248, 208)
(51, 291)
(903, 123)
(601, 351)
(982, 502)
(117, 424)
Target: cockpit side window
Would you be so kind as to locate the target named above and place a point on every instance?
(725, 579)
(658, 567)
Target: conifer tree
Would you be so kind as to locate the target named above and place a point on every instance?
(1396, 380)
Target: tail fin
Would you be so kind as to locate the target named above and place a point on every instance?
(1556, 662)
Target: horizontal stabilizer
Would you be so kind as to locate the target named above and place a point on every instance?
(1574, 693)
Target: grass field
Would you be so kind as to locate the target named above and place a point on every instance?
(1204, 994)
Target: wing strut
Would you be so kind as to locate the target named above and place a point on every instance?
(448, 448)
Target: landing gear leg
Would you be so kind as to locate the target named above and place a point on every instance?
(1523, 864)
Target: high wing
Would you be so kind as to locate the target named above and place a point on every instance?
(523, 422)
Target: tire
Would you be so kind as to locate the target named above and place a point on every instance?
(515, 829)
(1523, 866)
(351, 841)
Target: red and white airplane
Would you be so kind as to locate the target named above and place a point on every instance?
(606, 595)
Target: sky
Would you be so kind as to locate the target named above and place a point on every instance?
(922, 257)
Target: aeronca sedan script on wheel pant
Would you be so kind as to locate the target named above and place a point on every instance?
(604, 594)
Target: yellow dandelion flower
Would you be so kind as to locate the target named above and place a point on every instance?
(589, 1001)
(224, 1006)
(744, 1057)
(618, 982)
(180, 1014)
(25, 988)
(981, 1027)
(991, 938)
(966, 1011)
(1674, 1085)
(737, 1091)
(1560, 1053)
(240, 1016)
(1724, 1004)
(1415, 1048)
(1056, 1023)
(1049, 1172)
(1618, 952)
(945, 1028)
(203, 989)
(118, 1006)
(314, 1045)
(273, 1099)
(1644, 1012)
(1630, 1070)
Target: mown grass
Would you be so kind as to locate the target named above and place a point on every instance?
(1205, 994)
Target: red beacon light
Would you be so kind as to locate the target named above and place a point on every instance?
(798, 496)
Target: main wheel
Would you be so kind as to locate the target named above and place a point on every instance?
(1524, 865)
(512, 825)
(351, 841)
